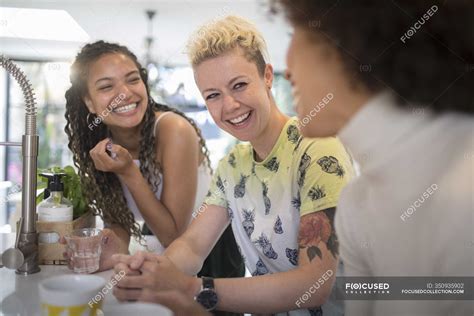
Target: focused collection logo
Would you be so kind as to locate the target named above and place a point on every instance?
(367, 288)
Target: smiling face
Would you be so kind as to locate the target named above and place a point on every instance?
(116, 91)
(323, 95)
(237, 96)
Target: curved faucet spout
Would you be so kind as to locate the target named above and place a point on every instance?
(27, 237)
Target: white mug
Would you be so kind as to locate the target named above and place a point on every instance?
(71, 295)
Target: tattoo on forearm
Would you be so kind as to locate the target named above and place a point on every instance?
(316, 228)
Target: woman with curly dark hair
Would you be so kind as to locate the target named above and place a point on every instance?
(138, 160)
(401, 76)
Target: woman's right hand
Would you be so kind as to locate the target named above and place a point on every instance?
(111, 244)
(109, 157)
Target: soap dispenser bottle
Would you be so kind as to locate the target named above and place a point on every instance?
(55, 208)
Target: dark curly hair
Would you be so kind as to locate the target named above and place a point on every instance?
(103, 190)
(421, 50)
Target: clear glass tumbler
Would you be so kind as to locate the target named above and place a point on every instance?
(84, 247)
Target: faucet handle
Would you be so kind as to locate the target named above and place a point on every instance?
(12, 258)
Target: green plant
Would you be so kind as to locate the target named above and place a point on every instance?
(72, 188)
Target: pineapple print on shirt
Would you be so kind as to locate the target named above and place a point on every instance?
(296, 201)
(230, 212)
(239, 189)
(266, 246)
(293, 134)
(249, 221)
(260, 268)
(272, 164)
(316, 193)
(231, 160)
(221, 185)
(292, 255)
(304, 164)
(330, 164)
(266, 199)
(277, 228)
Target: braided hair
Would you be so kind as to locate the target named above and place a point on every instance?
(102, 190)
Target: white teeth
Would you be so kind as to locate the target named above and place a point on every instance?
(126, 108)
(240, 119)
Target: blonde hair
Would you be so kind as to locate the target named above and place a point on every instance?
(220, 36)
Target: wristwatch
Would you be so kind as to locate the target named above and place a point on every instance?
(207, 297)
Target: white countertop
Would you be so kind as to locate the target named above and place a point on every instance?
(19, 295)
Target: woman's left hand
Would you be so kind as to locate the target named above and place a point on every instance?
(111, 244)
(158, 274)
(109, 157)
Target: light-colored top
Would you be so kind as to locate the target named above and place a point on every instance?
(411, 211)
(265, 200)
(204, 179)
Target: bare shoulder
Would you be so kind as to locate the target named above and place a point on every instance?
(173, 125)
(175, 133)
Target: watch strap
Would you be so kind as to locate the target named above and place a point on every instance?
(207, 283)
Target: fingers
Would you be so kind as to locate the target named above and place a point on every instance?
(135, 261)
(113, 148)
(122, 258)
(118, 268)
(133, 264)
(107, 234)
(100, 156)
(149, 267)
(100, 147)
(140, 257)
(126, 294)
(134, 282)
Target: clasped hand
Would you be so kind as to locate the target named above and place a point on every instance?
(154, 278)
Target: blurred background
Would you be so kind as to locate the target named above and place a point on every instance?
(43, 37)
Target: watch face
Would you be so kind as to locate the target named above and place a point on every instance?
(207, 298)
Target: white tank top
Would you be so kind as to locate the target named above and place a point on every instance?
(153, 244)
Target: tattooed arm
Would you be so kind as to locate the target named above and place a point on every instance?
(317, 231)
(307, 286)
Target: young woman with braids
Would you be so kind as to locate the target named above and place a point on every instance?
(138, 160)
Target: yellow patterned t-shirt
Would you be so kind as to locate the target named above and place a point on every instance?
(265, 200)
